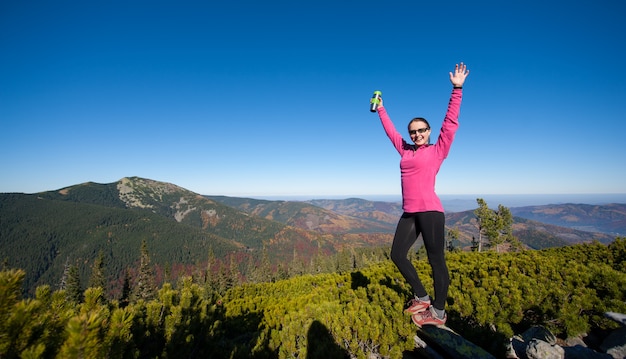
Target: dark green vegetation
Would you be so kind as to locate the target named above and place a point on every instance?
(41, 236)
(44, 233)
(355, 311)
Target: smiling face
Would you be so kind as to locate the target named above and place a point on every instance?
(419, 130)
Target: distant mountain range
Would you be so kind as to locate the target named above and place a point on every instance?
(609, 218)
(353, 214)
(43, 232)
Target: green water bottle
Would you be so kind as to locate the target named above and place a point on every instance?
(375, 101)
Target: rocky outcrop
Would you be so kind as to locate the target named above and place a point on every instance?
(442, 342)
(539, 343)
(535, 343)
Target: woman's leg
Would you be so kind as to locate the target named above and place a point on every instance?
(432, 225)
(403, 239)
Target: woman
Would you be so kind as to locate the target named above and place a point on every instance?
(423, 212)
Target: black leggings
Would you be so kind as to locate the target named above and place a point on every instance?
(431, 226)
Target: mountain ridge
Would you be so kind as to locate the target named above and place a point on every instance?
(532, 233)
(74, 223)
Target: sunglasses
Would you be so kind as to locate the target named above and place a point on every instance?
(420, 130)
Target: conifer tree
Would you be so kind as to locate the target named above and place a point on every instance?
(233, 271)
(73, 290)
(505, 225)
(145, 287)
(297, 266)
(126, 290)
(485, 219)
(344, 260)
(453, 235)
(495, 225)
(265, 267)
(224, 280)
(252, 271)
(211, 270)
(321, 263)
(475, 245)
(66, 270)
(98, 278)
(493, 231)
(282, 272)
(167, 272)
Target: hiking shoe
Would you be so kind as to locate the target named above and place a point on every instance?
(428, 317)
(415, 306)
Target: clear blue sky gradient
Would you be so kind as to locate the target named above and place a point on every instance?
(270, 98)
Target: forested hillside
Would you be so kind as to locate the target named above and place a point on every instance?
(312, 217)
(46, 232)
(348, 313)
(42, 236)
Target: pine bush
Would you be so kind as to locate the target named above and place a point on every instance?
(347, 314)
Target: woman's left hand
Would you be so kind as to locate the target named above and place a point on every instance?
(458, 76)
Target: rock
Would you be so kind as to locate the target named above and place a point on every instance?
(575, 341)
(444, 339)
(539, 349)
(540, 333)
(424, 350)
(510, 350)
(582, 352)
(535, 343)
(518, 346)
(615, 343)
(538, 342)
(532, 339)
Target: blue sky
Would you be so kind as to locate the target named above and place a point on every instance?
(270, 98)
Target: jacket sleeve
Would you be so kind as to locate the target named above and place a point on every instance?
(396, 139)
(450, 124)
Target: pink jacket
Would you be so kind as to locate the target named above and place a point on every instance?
(419, 166)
